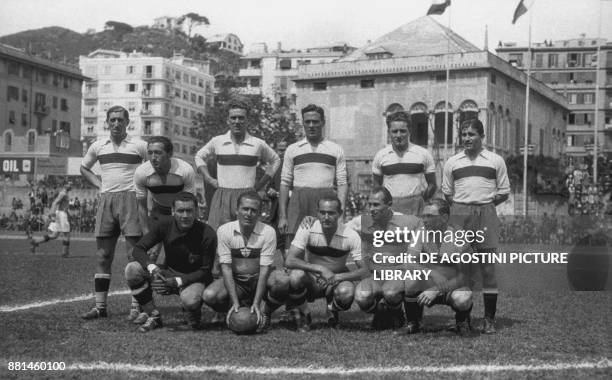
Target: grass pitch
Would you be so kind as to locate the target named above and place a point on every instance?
(540, 322)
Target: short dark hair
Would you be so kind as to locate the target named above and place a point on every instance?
(387, 198)
(399, 116)
(314, 108)
(168, 147)
(118, 109)
(239, 102)
(473, 123)
(331, 198)
(441, 204)
(185, 196)
(252, 195)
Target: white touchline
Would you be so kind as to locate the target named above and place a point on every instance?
(485, 368)
(33, 305)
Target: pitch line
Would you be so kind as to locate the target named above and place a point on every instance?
(311, 370)
(56, 301)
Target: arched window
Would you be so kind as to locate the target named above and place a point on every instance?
(439, 117)
(8, 141)
(420, 126)
(394, 107)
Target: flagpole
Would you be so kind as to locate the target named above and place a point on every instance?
(526, 128)
(596, 126)
(447, 90)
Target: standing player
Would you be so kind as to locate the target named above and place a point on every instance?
(59, 223)
(318, 256)
(474, 182)
(163, 176)
(312, 167)
(383, 297)
(246, 251)
(119, 155)
(190, 250)
(405, 169)
(237, 154)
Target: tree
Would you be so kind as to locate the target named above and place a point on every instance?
(190, 20)
(119, 27)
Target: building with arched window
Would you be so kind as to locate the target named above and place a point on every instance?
(357, 91)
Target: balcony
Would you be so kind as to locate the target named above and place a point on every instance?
(41, 109)
(250, 72)
(44, 146)
(89, 95)
(152, 77)
(152, 94)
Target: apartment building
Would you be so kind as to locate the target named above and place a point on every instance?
(163, 95)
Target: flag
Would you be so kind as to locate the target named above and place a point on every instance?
(520, 10)
(438, 7)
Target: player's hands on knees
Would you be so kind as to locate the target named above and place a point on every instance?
(326, 274)
(255, 309)
(427, 297)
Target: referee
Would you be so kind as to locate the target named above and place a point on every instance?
(474, 182)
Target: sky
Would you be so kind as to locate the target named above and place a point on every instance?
(313, 23)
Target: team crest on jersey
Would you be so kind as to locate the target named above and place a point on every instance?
(246, 252)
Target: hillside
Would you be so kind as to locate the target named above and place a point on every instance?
(64, 45)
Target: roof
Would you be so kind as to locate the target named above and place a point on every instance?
(23, 57)
(423, 36)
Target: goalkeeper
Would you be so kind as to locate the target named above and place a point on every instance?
(189, 247)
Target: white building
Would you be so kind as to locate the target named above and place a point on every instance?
(271, 74)
(226, 41)
(162, 95)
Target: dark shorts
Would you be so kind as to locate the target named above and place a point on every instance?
(223, 206)
(117, 213)
(304, 202)
(157, 216)
(246, 286)
(474, 217)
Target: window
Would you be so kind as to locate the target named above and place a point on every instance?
(186, 78)
(26, 72)
(90, 129)
(572, 59)
(13, 68)
(588, 98)
(440, 77)
(553, 60)
(254, 82)
(285, 64)
(148, 71)
(193, 81)
(493, 78)
(516, 59)
(193, 98)
(185, 131)
(129, 69)
(539, 58)
(67, 82)
(31, 141)
(177, 147)
(12, 117)
(54, 102)
(12, 92)
(65, 126)
(107, 70)
(200, 99)
(185, 113)
(177, 111)
(177, 76)
(367, 83)
(24, 119)
(147, 127)
(192, 114)
(8, 141)
(319, 86)
(185, 95)
(201, 83)
(177, 93)
(183, 148)
(131, 87)
(572, 98)
(255, 63)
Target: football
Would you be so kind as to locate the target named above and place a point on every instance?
(243, 321)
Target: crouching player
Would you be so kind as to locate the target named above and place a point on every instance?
(190, 248)
(246, 250)
(383, 297)
(317, 257)
(447, 283)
